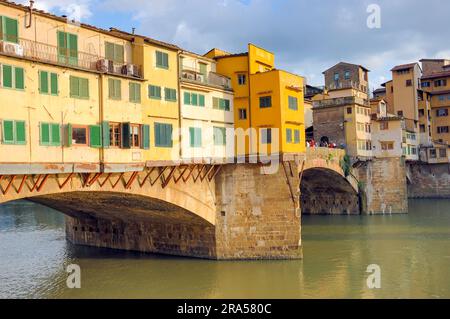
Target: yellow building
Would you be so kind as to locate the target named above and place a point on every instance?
(267, 100)
(207, 110)
(63, 85)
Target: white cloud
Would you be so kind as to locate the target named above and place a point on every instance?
(77, 10)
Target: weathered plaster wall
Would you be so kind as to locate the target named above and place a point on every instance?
(428, 180)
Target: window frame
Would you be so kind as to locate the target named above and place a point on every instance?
(78, 126)
(163, 55)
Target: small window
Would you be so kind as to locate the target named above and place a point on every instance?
(12, 77)
(115, 89)
(442, 112)
(242, 79)
(48, 83)
(349, 110)
(154, 92)
(421, 112)
(114, 52)
(79, 87)
(115, 134)
(347, 75)
(195, 136)
(408, 82)
(442, 153)
(293, 103)
(266, 136)
(443, 130)
(336, 76)
(297, 136)
(135, 92)
(170, 94)
(220, 136)
(50, 134)
(163, 135)
(79, 135)
(162, 60)
(14, 132)
(242, 114)
(400, 113)
(135, 135)
(265, 101)
(288, 135)
(221, 104)
(433, 153)
(9, 29)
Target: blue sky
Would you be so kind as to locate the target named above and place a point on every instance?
(306, 36)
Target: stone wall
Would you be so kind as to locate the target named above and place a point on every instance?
(428, 180)
(383, 185)
(258, 214)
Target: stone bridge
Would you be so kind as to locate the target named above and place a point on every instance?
(206, 210)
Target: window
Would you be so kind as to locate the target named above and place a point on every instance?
(154, 92)
(79, 135)
(387, 146)
(242, 114)
(441, 98)
(194, 99)
(114, 52)
(347, 75)
(293, 103)
(443, 129)
(221, 104)
(67, 48)
(115, 89)
(115, 134)
(336, 76)
(170, 94)
(79, 87)
(439, 83)
(406, 71)
(422, 128)
(203, 68)
(426, 84)
(13, 132)
(265, 101)
(50, 134)
(195, 136)
(433, 153)
(384, 126)
(442, 112)
(421, 112)
(297, 136)
(13, 77)
(442, 153)
(349, 110)
(162, 60)
(400, 113)
(288, 135)
(135, 135)
(135, 92)
(408, 82)
(163, 135)
(266, 136)
(220, 136)
(9, 29)
(48, 83)
(242, 79)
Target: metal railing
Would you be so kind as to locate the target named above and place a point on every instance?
(211, 78)
(340, 102)
(62, 56)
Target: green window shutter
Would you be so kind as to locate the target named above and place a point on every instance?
(43, 82)
(167, 94)
(126, 138)
(109, 51)
(11, 30)
(168, 134)
(187, 98)
(68, 135)
(216, 103)
(145, 136)
(194, 99)
(111, 89)
(166, 60)
(219, 136)
(297, 137)
(95, 136)
(8, 132)
(158, 137)
(201, 100)
(84, 88)
(222, 104)
(192, 136)
(106, 142)
(62, 47)
(7, 76)
(54, 84)
(74, 86)
(56, 135)
(288, 135)
(116, 89)
(1, 28)
(158, 58)
(198, 137)
(135, 92)
(45, 134)
(73, 49)
(20, 132)
(155, 92)
(119, 53)
(227, 105)
(20, 78)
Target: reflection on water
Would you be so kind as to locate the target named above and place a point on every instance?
(413, 252)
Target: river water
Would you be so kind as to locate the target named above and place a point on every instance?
(413, 252)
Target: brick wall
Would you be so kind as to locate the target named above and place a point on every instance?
(429, 180)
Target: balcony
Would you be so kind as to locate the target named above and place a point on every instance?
(212, 78)
(70, 58)
(346, 84)
(342, 101)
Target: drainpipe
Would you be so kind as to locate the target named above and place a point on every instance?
(101, 118)
(180, 131)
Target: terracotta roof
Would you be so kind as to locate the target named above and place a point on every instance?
(232, 55)
(380, 90)
(404, 66)
(130, 36)
(384, 84)
(436, 75)
(433, 60)
(439, 92)
(358, 65)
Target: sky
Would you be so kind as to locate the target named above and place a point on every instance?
(306, 36)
